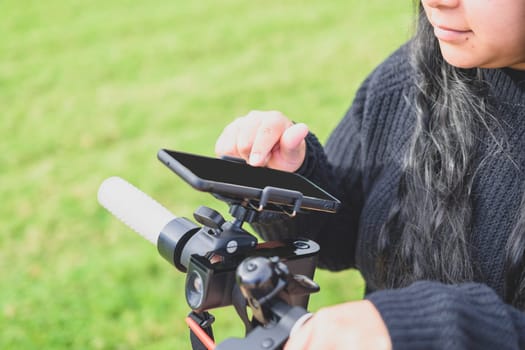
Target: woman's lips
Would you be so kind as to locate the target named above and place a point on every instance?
(451, 35)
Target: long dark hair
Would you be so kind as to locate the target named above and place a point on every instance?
(426, 235)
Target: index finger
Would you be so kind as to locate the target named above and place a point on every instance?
(267, 136)
(226, 143)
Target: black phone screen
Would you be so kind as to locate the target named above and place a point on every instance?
(240, 174)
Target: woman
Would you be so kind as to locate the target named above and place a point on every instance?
(429, 164)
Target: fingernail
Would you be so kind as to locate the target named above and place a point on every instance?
(255, 158)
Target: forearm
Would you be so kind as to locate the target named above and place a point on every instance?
(336, 233)
(431, 315)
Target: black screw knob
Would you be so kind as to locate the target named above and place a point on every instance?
(209, 217)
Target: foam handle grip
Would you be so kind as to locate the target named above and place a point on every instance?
(134, 208)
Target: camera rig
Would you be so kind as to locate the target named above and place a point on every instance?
(225, 265)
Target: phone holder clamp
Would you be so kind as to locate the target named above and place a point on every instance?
(270, 194)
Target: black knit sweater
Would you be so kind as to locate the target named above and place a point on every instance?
(361, 165)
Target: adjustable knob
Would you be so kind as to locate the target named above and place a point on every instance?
(257, 277)
(209, 217)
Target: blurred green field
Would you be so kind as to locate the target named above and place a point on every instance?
(91, 89)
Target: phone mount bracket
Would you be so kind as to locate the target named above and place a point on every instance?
(270, 193)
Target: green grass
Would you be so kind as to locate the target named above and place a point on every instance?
(91, 89)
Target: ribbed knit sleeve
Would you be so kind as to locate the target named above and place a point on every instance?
(369, 135)
(431, 315)
(335, 233)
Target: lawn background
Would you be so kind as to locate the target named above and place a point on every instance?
(91, 89)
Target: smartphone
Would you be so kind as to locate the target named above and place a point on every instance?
(234, 179)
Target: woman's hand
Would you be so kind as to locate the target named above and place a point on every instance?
(265, 139)
(354, 325)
